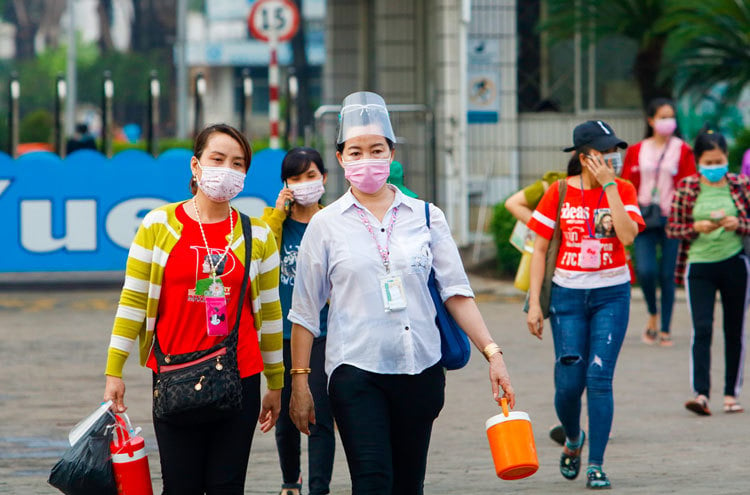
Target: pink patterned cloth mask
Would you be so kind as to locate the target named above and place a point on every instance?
(220, 183)
(665, 127)
(368, 175)
(307, 193)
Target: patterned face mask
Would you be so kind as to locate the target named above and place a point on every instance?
(220, 183)
(307, 193)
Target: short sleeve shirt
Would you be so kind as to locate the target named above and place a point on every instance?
(586, 214)
(291, 237)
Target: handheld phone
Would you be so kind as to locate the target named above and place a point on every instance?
(287, 203)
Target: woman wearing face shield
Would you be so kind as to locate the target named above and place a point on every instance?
(655, 166)
(179, 249)
(304, 177)
(370, 253)
(590, 296)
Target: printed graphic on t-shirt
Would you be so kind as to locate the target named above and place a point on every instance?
(605, 226)
(203, 269)
(288, 268)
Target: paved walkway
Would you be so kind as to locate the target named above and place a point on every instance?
(53, 353)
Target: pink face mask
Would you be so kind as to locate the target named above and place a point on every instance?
(665, 127)
(368, 175)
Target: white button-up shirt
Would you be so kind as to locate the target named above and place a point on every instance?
(338, 260)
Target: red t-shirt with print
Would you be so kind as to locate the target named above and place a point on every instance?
(181, 325)
(585, 214)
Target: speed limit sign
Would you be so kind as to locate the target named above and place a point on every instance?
(273, 20)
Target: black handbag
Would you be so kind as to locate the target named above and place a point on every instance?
(202, 385)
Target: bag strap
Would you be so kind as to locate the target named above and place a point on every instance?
(427, 213)
(658, 163)
(231, 339)
(562, 189)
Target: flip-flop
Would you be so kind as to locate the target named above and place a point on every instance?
(733, 407)
(699, 406)
(649, 336)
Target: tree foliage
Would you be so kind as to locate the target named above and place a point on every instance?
(633, 19)
(709, 43)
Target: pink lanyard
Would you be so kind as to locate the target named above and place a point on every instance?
(385, 253)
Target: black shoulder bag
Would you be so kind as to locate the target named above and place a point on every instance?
(203, 385)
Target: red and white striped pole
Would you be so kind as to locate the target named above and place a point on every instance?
(273, 93)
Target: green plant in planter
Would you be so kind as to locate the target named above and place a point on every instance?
(501, 227)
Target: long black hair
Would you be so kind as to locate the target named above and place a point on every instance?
(707, 140)
(653, 106)
(298, 160)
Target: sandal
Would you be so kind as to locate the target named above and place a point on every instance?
(570, 463)
(665, 340)
(597, 479)
(649, 336)
(292, 488)
(732, 406)
(699, 406)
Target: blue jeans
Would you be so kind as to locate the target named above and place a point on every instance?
(649, 269)
(588, 327)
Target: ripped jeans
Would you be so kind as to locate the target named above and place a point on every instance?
(588, 327)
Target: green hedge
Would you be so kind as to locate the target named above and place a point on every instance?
(501, 227)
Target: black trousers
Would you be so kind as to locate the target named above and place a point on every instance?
(385, 422)
(321, 444)
(729, 278)
(209, 458)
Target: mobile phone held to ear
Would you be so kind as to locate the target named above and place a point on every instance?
(287, 203)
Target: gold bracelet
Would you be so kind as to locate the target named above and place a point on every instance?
(300, 371)
(491, 349)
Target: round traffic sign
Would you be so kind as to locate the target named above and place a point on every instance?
(273, 19)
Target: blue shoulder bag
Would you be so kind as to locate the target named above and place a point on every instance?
(454, 344)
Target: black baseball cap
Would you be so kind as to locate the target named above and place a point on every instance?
(597, 134)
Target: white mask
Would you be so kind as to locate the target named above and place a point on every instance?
(616, 158)
(220, 183)
(307, 193)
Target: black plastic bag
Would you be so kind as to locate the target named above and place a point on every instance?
(86, 467)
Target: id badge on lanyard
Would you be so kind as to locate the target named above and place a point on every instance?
(392, 290)
(591, 253)
(216, 305)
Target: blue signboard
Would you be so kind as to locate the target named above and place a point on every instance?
(81, 213)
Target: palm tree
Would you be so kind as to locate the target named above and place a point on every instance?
(708, 44)
(633, 19)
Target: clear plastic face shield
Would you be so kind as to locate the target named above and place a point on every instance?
(364, 113)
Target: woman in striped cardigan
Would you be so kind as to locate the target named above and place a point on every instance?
(179, 248)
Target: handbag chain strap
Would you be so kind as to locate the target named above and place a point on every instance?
(655, 189)
(231, 339)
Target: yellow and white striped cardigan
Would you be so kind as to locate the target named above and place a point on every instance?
(139, 300)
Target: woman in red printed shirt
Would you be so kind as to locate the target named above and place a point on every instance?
(590, 298)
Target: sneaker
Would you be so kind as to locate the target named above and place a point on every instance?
(597, 479)
(557, 434)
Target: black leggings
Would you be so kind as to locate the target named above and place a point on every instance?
(385, 422)
(209, 458)
(729, 277)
